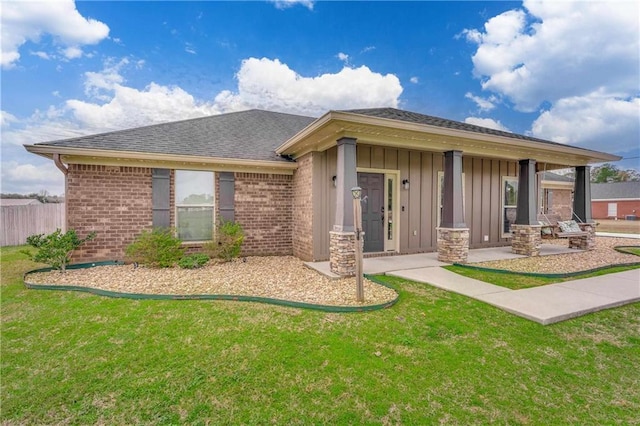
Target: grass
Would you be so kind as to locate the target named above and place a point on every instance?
(516, 281)
(434, 357)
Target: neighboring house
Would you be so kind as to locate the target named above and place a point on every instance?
(430, 183)
(556, 195)
(616, 200)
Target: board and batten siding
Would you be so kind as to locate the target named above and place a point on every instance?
(418, 204)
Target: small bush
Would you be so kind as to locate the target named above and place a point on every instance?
(227, 243)
(55, 249)
(193, 261)
(156, 249)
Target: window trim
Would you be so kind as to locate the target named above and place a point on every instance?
(504, 206)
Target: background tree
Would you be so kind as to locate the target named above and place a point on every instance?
(607, 173)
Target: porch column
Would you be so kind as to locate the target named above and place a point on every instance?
(342, 237)
(526, 238)
(582, 210)
(582, 194)
(453, 234)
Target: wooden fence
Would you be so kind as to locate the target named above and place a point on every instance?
(18, 222)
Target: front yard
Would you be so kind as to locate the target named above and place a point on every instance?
(434, 357)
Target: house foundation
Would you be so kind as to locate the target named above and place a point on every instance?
(453, 245)
(526, 239)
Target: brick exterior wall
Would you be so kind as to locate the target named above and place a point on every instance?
(600, 209)
(562, 203)
(111, 200)
(303, 209)
(263, 206)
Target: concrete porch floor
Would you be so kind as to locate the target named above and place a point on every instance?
(387, 264)
(546, 305)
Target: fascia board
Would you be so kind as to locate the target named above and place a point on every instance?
(142, 159)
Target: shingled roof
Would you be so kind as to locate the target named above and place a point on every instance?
(414, 117)
(615, 190)
(251, 135)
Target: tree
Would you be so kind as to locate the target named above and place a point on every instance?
(607, 173)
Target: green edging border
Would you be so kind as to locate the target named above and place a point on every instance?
(236, 298)
(560, 275)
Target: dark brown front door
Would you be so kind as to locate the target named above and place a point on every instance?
(372, 185)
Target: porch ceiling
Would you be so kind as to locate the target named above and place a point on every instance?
(323, 133)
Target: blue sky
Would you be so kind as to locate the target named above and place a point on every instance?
(559, 70)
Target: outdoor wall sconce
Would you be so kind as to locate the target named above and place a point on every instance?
(335, 181)
(405, 184)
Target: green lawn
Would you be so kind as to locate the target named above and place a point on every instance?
(434, 357)
(516, 281)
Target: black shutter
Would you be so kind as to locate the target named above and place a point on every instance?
(161, 180)
(227, 196)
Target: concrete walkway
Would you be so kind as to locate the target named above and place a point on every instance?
(546, 304)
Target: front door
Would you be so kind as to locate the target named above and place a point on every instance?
(372, 185)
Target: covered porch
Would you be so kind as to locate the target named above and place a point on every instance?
(430, 185)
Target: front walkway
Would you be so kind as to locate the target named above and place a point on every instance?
(546, 304)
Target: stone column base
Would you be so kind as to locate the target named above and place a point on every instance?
(586, 242)
(342, 253)
(526, 239)
(453, 245)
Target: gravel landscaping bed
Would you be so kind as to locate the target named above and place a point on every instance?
(603, 255)
(284, 278)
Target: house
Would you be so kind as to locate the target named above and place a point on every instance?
(616, 200)
(430, 184)
(556, 195)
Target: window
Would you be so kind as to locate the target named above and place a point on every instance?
(509, 204)
(194, 205)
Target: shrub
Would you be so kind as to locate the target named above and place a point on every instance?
(157, 249)
(55, 249)
(228, 241)
(193, 261)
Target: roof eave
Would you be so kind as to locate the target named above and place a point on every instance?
(330, 123)
(71, 155)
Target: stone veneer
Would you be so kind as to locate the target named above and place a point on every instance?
(526, 239)
(584, 242)
(453, 245)
(342, 253)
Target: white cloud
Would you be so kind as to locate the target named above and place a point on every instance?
(486, 122)
(594, 121)
(557, 49)
(285, 4)
(29, 178)
(26, 20)
(272, 85)
(343, 57)
(72, 52)
(41, 55)
(482, 103)
(7, 118)
(414, 80)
